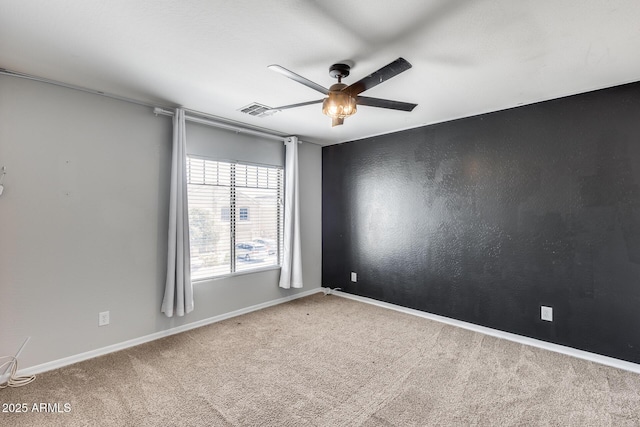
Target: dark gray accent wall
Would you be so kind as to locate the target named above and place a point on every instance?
(485, 219)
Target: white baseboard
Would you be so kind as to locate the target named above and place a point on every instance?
(597, 358)
(580, 354)
(44, 367)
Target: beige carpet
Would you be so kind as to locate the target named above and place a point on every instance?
(330, 361)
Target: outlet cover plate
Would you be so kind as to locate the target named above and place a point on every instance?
(103, 318)
(354, 277)
(546, 313)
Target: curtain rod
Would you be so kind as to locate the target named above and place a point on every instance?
(70, 86)
(213, 121)
(205, 119)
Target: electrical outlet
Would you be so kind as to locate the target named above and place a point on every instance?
(103, 318)
(546, 313)
(354, 277)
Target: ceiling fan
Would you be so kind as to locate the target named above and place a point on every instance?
(341, 100)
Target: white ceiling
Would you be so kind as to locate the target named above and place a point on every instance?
(468, 57)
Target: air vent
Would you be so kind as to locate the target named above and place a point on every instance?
(258, 110)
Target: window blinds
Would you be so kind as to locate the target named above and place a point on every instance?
(235, 216)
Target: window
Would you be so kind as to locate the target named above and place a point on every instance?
(244, 214)
(235, 217)
(225, 214)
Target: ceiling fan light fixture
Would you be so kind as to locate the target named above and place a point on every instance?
(339, 105)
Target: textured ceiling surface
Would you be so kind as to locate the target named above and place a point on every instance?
(469, 57)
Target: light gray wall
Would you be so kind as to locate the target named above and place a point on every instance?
(83, 223)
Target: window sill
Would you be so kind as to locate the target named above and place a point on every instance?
(237, 273)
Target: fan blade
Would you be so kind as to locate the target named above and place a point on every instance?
(385, 73)
(336, 122)
(385, 103)
(302, 104)
(298, 78)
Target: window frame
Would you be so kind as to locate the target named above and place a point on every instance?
(232, 214)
